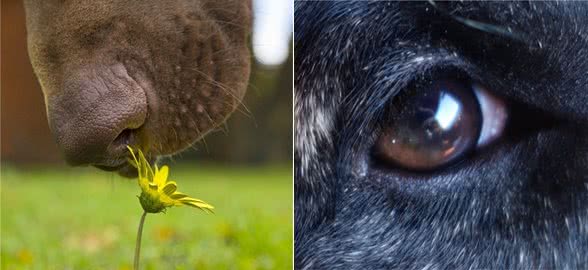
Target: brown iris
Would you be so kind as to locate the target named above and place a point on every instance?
(431, 126)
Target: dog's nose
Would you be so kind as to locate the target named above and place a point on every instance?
(96, 116)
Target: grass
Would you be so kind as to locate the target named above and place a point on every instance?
(65, 218)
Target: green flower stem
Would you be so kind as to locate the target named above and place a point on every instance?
(138, 243)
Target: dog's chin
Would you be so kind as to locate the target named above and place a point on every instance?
(121, 163)
(128, 171)
(123, 168)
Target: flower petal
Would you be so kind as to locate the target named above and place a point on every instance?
(135, 162)
(178, 195)
(153, 186)
(160, 176)
(167, 201)
(202, 206)
(143, 183)
(169, 188)
(157, 193)
(189, 199)
(145, 164)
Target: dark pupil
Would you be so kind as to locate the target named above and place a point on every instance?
(431, 127)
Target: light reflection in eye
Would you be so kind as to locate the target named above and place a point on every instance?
(447, 111)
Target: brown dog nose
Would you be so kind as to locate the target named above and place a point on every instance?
(94, 115)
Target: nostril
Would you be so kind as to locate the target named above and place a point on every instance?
(99, 111)
(124, 138)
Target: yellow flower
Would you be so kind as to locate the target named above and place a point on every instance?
(157, 193)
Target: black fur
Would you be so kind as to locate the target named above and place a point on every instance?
(520, 204)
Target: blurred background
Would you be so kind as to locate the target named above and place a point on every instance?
(58, 217)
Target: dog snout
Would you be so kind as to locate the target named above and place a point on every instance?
(96, 116)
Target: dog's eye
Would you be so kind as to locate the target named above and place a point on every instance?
(438, 123)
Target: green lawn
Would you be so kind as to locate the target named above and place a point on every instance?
(86, 219)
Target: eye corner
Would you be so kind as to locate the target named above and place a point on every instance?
(495, 115)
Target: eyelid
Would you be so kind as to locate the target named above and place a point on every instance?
(494, 115)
